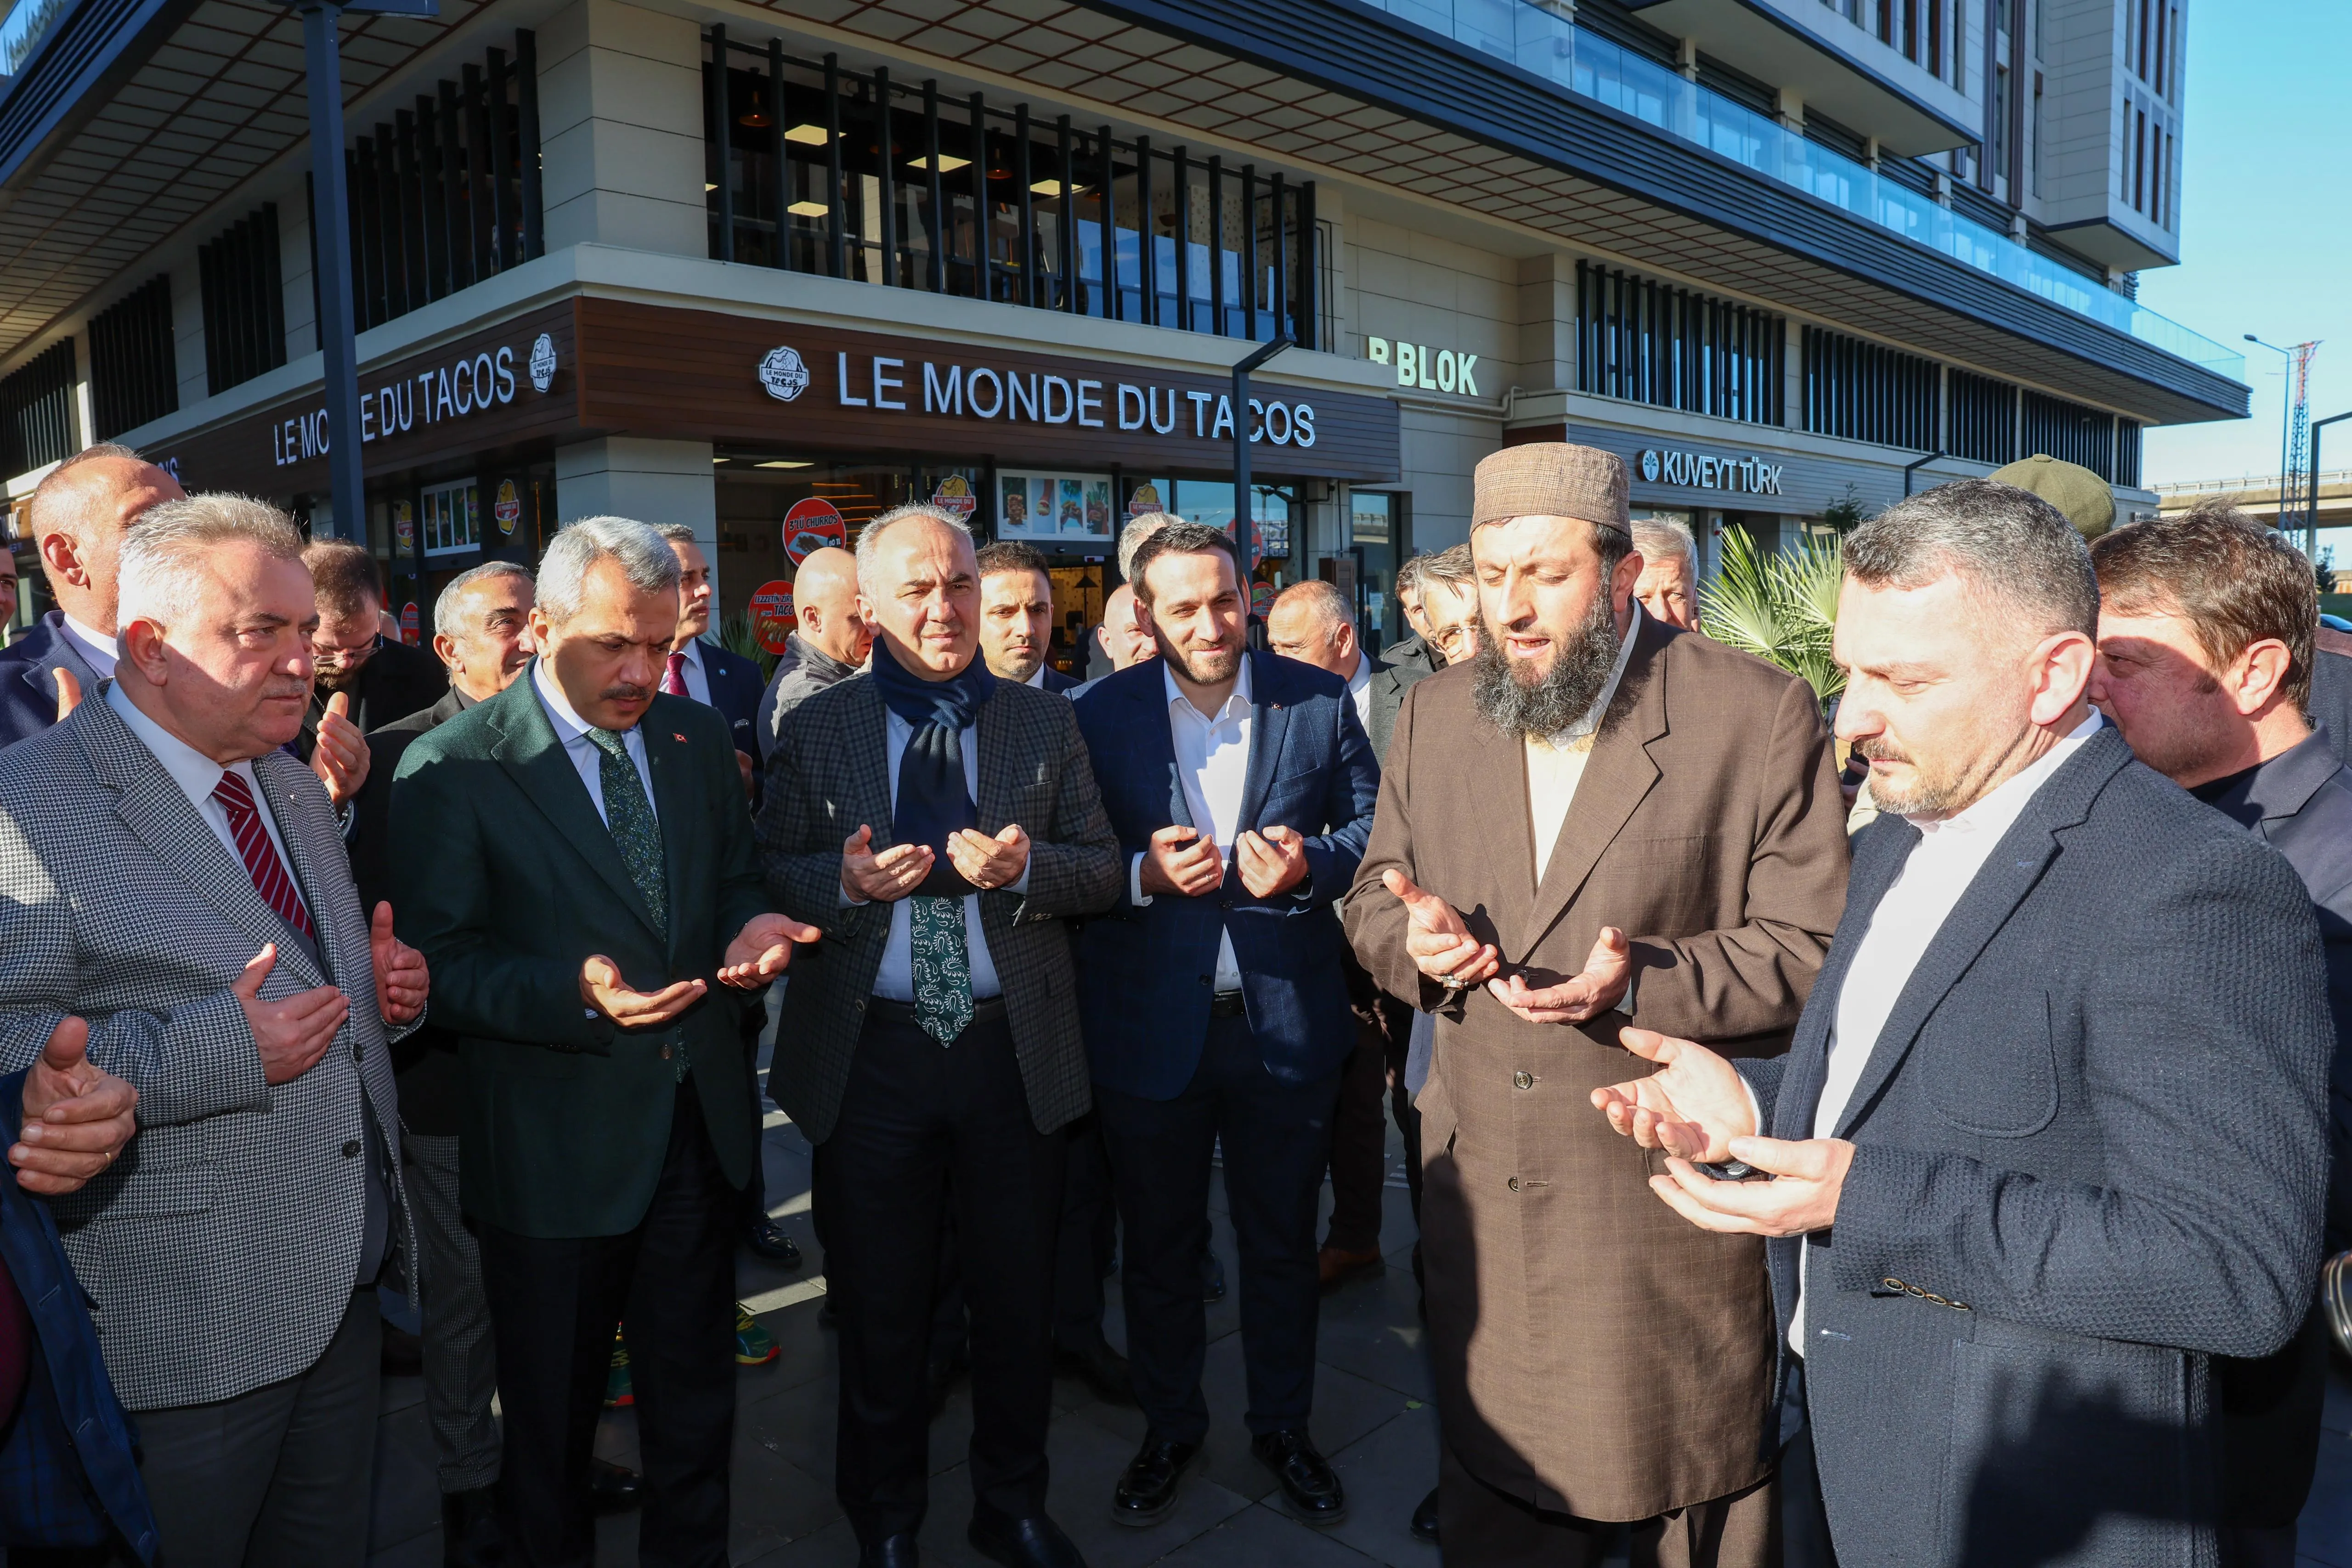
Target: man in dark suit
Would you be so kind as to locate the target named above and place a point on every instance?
(828, 641)
(1313, 622)
(2331, 689)
(574, 857)
(2020, 1201)
(943, 824)
(79, 516)
(2206, 623)
(362, 675)
(1242, 788)
(1016, 617)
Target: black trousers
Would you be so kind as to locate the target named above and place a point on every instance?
(1359, 1128)
(923, 1126)
(554, 1303)
(1089, 1236)
(1277, 1139)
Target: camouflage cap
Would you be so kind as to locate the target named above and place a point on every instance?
(2085, 499)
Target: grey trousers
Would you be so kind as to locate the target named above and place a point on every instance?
(460, 1359)
(279, 1477)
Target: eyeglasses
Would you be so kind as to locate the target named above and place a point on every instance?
(343, 656)
(1456, 641)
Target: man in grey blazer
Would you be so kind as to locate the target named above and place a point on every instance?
(171, 875)
(940, 825)
(2020, 1197)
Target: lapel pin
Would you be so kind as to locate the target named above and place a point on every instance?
(680, 739)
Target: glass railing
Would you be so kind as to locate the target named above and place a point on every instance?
(23, 28)
(1593, 67)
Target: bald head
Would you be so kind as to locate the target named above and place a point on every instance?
(1122, 639)
(1312, 622)
(80, 513)
(825, 602)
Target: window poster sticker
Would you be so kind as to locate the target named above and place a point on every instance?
(954, 497)
(1055, 508)
(1146, 499)
(771, 614)
(811, 526)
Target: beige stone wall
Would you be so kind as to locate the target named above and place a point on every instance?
(621, 134)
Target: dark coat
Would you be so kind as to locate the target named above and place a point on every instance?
(828, 776)
(2331, 691)
(432, 1079)
(2090, 1155)
(504, 876)
(1410, 653)
(396, 681)
(736, 686)
(68, 1473)
(1059, 683)
(1390, 681)
(28, 686)
(1146, 974)
(802, 672)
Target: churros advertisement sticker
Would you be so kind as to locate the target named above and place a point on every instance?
(811, 526)
(771, 614)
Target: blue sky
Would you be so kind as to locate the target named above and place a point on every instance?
(2266, 246)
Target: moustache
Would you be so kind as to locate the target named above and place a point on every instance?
(1879, 749)
(627, 693)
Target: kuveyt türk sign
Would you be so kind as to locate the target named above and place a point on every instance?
(1743, 474)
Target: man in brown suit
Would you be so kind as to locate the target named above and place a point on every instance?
(1693, 886)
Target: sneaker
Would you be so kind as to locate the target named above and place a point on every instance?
(619, 1392)
(754, 1346)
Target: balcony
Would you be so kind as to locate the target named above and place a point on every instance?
(1521, 33)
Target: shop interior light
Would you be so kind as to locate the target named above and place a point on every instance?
(783, 463)
(949, 162)
(756, 117)
(806, 135)
(1054, 188)
(719, 460)
(707, 187)
(808, 209)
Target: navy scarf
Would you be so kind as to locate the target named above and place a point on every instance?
(933, 800)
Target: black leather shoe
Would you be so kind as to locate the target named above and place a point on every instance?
(1213, 1278)
(1424, 1519)
(1034, 1543)
(890, 1551)
(1310, 1485)
(1148, 1490)
(1104, 1370)
(469, 1529)
(764, 1236)
(615, 1488)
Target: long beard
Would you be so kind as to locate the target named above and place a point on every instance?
(1523, 704)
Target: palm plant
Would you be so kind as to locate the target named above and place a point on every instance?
(735, 635)
(1779, 605)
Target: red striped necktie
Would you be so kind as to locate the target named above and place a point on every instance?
(674, 676)
(269, 874)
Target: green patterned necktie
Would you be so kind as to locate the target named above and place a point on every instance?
(637, 833)
(942, 968)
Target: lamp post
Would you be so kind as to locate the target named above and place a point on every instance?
(338, 337)
(1910, 469)
(2286, 417)
(1244, 525)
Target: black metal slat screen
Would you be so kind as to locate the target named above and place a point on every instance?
(1984, 419)
(446, 192)
(988, 203)
(243, 299)
(1863, 391)
(133, 374)
(2072, 434)
(2127, 453)
(1651, 343)
(36, 406)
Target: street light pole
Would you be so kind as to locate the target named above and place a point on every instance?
(332, 237)
(2286, 419)
(1911, 468)
(1243, 522)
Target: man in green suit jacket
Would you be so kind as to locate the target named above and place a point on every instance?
(574, 857)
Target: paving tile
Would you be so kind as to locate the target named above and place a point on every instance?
(1386, 1473)
(1371, 1327)
(773, 1501)
(1262, 1538)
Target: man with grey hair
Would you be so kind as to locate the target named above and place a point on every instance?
(1103, 655)
(1668, 586)
(574, 856)
(178, 880)
(2019, 1201)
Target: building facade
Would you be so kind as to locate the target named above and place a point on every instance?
(770, 270)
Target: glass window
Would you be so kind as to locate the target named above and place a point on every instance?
(452, 517)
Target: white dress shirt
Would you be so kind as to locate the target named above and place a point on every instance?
(1212, 762)
(199, 774)
(894, 981)
(697, 679)
(1556, 765)
(1359, 687)
(1934, 878)
(98, 650)
(1036, 678)
(573, 730)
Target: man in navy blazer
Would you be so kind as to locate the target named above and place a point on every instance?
(1214, 1002)
(2053, 1133)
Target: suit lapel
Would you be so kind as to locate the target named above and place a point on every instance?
(998, 755)
(869, 745)
(158, 811)
(1879, 858)
(531, 753)
(1617, 775)
(675, 807)
(2009, 874)
(1156, 745)
(1269, 722)
(62, 655)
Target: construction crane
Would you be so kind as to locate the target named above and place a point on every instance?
(2293, 501)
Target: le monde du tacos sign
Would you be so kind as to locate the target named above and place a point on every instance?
(889, 383)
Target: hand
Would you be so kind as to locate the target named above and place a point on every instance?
(990, 862)
(1802, 1197)
(762, 950)
(1437, 938)
(69, 697)
(894, 873)
(341, 760)
(294, 1032)
(77, 1116)
(1271, 863)
(401, 980)
(601, 988)
(1606, 973)
(745, 766)
(1693, 1106)
(1182, 860)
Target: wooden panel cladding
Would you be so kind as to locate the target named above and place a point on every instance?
(702, 375)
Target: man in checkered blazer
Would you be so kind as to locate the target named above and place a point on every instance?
(171, 875)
